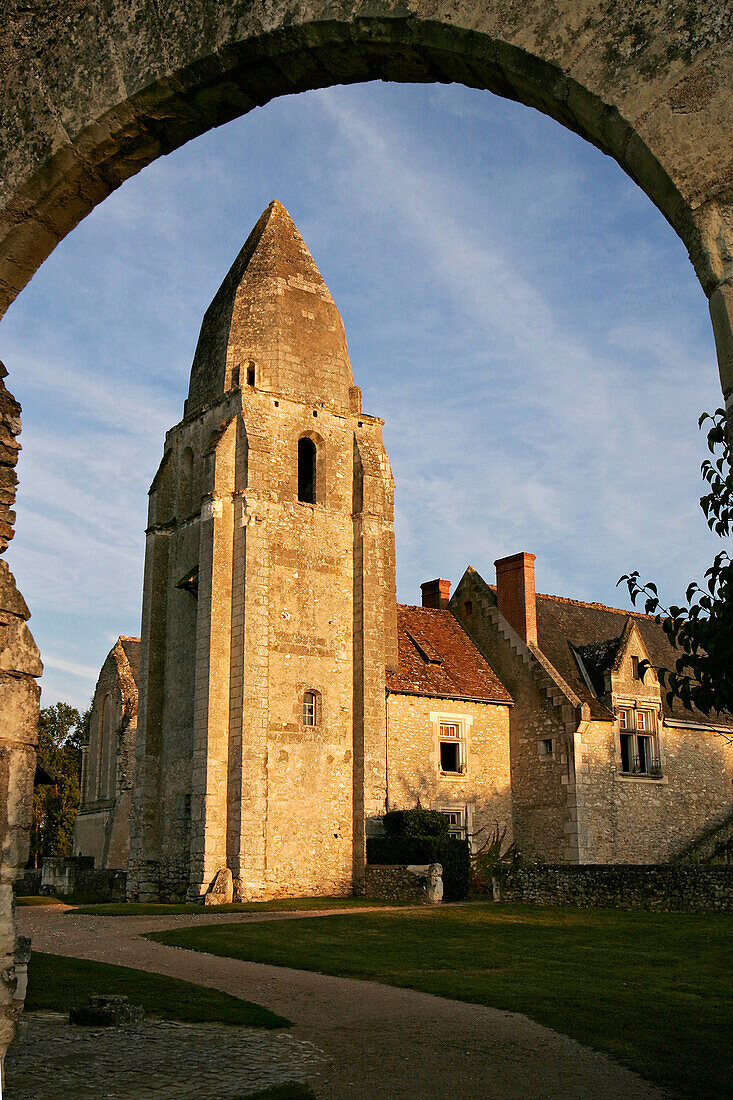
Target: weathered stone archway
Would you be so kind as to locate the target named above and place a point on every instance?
(92, 93)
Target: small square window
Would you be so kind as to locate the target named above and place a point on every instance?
(456, 822)
(451, 748)
(546, 746)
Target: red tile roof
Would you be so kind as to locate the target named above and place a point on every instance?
(437, 658)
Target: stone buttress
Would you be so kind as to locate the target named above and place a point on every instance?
(269, 613)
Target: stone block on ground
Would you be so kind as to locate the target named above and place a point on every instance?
(221, 890)
(107, 1010)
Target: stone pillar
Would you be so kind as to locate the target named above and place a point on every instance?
(721, 314)
(375, 637)
(20, 666)
(210, 765)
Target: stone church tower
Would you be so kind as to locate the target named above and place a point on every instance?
(269, 608)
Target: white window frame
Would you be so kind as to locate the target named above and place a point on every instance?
(465, 811)
(464, 723)
(635, 722)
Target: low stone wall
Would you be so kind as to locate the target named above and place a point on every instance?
(77, 875)
(28, 884)
(686, 888)
(394, 882)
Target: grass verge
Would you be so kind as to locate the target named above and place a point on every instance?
(56, 982)
(39, 899)
(279, 905)
(650, 989)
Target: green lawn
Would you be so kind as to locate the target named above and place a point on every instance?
(39, 899)
(280, 905)
(651, 989)
(56, 982)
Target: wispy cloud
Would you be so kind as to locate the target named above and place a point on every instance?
(516, 310)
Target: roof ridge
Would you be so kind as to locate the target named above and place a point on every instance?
(431, 610)
(594, 605)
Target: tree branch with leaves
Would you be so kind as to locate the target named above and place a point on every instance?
(701, 629)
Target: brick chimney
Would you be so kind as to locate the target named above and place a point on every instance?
(435, 593)
(516, 595)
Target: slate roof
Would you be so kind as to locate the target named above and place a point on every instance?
(437, 658)
(596, 632)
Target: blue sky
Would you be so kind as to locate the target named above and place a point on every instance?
(523, 318)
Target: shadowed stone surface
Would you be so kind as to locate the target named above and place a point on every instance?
(158, 1058)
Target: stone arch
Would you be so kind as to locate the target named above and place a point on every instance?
(651, 87)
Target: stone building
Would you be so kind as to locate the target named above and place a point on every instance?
(269, 614)
(286, 699)
(102, 828)
(603, 769)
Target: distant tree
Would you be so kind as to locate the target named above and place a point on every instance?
(55, 805)
(702, 628)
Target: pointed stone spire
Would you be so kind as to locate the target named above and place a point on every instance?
(273, 314)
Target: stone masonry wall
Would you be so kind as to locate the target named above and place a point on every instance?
(394, 882)
(102, 826)
(639, 819)
(675, 888)
(240, 780)
(539, 781)
(483, 791)
(20, 666)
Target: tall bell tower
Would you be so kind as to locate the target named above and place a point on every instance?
(269, 608)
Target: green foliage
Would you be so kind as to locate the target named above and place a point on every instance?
(55, 805)
(56, 982)
(451, 853)
(417, 822)
(701, 629)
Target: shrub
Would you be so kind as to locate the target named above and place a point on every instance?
(417, 822)
(451, 853)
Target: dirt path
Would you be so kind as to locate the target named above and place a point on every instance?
(382, 1042)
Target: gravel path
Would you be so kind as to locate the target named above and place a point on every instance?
(379, 1042)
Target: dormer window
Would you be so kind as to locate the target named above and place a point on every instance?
(639, 743)
(306, 470)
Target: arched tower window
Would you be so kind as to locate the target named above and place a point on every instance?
(311, 716)
(306, 470)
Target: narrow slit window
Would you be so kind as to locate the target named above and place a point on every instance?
(250, 374)
(306, 471)
(310, 708)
